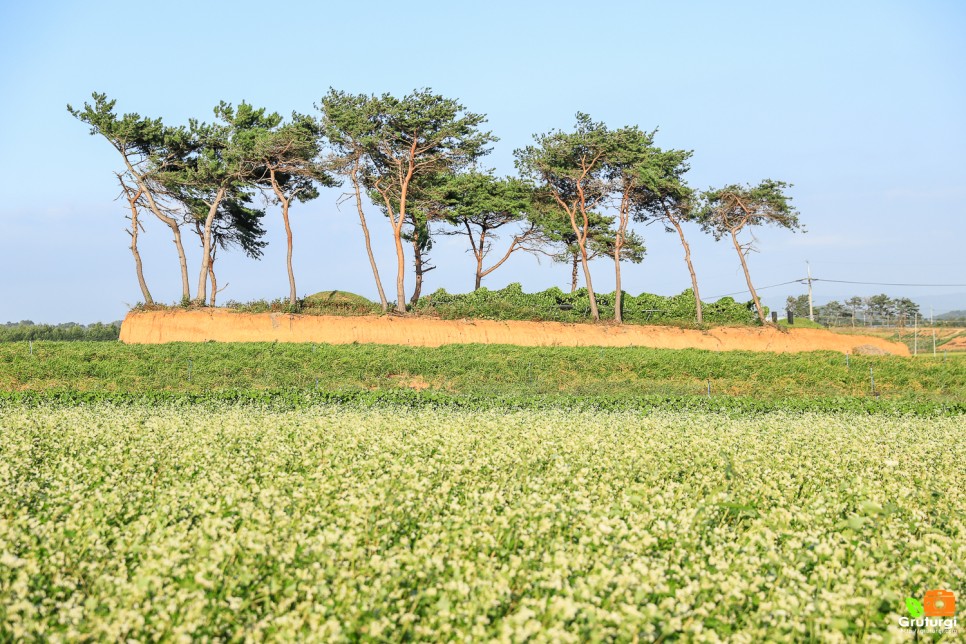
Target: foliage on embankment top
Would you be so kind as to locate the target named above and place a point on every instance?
(511, 303)
(553, 304)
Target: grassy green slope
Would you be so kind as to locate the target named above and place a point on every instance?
(475, 370)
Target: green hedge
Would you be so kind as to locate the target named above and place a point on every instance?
(511, 303)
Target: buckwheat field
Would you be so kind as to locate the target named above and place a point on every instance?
(330, 523)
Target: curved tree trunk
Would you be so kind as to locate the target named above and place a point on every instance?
(182, 259)
(582, 245)
(618, 295)
(590, 285)
(354, 175)
(400, 272)
(201, 293)
(171, 223)
(581, 234)
(137, 264)
(573, 272)
(687, 260)
(618, 245)
(135, 228)
(214, 283)
(292, 296)
(751, 287)
(397, 220)
(479, 256)
(516, 243)
(417, 269)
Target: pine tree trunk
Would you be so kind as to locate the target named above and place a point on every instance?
(201, 293)
(400, 271)
(171, 223)
(417, 269)
(479, 256)
(751, 287)
(590, 286)
(397, 225)
(138, 267)
(618, 245)
(214, 283)
(292, 296)
(618, 295)
(573, 273)
(354, 175)
(694, 277)
(135, 227)
(182, 259)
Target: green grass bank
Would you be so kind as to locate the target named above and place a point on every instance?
(509, 373)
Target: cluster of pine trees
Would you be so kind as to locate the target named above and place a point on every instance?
(419, 159)
(876, 309)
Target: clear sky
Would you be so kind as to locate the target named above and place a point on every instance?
(861, 105)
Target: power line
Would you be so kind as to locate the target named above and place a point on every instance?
(818, 279)
(760, 288)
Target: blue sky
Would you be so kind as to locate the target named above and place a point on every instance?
(860, 105)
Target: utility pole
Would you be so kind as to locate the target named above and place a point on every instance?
(915, 350)
(811, 314)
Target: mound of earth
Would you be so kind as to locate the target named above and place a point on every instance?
(340, 300)
(155, 327)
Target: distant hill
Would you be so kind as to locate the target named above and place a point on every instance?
(952, 315)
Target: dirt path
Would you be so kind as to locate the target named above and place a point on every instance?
(155, 327)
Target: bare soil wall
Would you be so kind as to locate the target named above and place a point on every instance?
(156, 327)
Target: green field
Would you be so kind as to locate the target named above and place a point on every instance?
(341, 522)
(486, 371)
(378, 493)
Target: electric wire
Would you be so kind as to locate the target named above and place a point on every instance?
(760, 288)
(818, 279)
(805, 280)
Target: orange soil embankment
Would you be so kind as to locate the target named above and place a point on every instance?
(155, 327)
(956, 344)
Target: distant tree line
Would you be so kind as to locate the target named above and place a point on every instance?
(877, 309)
(580, 194)
(27, 330)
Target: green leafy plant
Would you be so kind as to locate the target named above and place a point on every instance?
(914, 606)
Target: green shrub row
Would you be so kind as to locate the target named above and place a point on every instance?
(511, 303)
